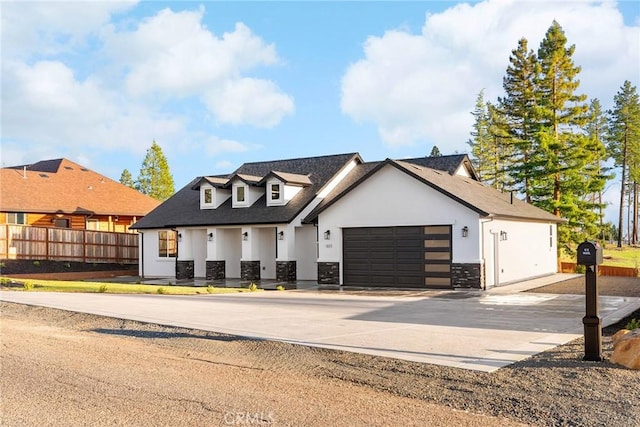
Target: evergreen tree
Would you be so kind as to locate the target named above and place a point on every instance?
(155, 179)
(562, 184)
(127, 179)
(624, 144)
(480, 141)
(518, 106)
(501, 149)
(596, 128)
(435, 152)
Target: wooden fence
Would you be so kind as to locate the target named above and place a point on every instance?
(63, 244)
(603, 270)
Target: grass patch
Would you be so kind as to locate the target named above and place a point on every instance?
(37, 285)
(616, 257)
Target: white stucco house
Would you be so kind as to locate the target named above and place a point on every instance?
(412, 223)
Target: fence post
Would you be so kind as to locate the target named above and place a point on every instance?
(6, 235)
(84, 246)
(46, 243)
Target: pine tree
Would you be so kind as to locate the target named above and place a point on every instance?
(518, 106)
(596, 129)
(127, 179)
(501, 149)
(435, 152)
(562, 184)
(155, 179)
(624, 144)
(480, 141)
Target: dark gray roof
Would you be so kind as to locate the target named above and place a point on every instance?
(183, 208)
(486, 201)
(449, 164)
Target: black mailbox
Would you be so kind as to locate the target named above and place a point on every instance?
(589, 253)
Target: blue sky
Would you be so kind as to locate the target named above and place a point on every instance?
(217, 84)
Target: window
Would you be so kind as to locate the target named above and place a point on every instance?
(275, 191)
(16, 218)
(167, 244)
(61, 223)
(240, 194)
(93, 224)
(208, 196)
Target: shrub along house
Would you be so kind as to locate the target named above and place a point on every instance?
(419, 223)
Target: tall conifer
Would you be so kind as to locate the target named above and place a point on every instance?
(155, 179)
(518, 106)
(561, 185)
(624, 146)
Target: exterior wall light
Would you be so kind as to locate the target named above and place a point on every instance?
(245, 236)
(281, 235)
(179, 237)
(327, 235)
(503, 235)
(210, 237)
(465, 231)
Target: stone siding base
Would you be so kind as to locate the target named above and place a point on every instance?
(215, 270)
(249, 270)
(184, 270)
(286, 271)
(329, 273)
(467, 276)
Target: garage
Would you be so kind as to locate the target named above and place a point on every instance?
(404, 257)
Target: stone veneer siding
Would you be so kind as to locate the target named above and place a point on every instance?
(329, 273)
(467, 276)
(286, 271)
(249, 270)
(184, 270)
(215, 270)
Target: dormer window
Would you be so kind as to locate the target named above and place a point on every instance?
(240, 194)
(276, 192)
(208, 196)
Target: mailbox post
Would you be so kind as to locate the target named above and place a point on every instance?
(590, 255)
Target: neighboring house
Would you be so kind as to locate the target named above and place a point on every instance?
(61, 193)
(420, 223)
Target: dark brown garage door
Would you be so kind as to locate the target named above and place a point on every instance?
(407, 257)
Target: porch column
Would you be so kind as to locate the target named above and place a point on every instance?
(215, 262)
(286, 260)
(250, 261)
(184, 264)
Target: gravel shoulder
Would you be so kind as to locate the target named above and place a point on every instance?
(61, 368)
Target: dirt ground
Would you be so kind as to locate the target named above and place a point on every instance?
(607, 286)
(60, 368)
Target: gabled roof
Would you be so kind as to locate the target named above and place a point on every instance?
(450, 164)
(287, 178)
(183, 208)
(62, 186)
(215, 181)
(486, 201)
(247, 179)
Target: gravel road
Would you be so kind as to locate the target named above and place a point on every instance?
(60, 368)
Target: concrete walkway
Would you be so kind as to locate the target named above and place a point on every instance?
(473, 330)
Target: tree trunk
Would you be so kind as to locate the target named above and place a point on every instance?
(622, 184)
(634, 234)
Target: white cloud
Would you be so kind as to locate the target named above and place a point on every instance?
(76, 78)
(217, 145)
(418, 87)
(257, 102)
(47, 27)
(173, 55)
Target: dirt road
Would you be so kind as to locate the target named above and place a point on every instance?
(63, 369)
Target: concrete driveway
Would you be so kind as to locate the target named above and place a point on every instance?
(472, 330)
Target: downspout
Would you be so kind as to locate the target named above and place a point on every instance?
(484, 286)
